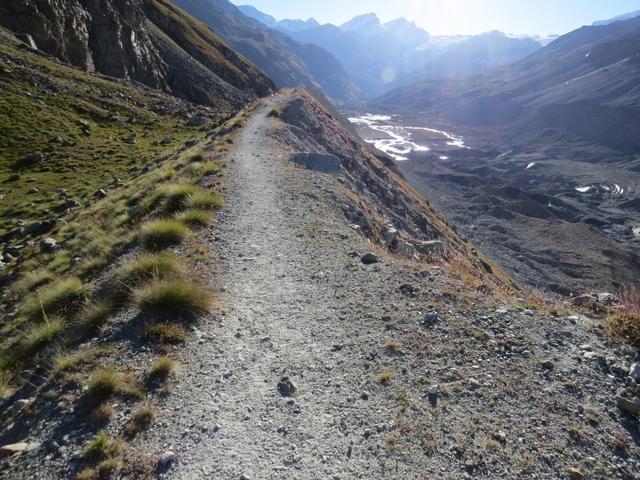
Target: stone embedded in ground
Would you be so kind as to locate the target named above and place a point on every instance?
(13, 448)
(430, 248)
(167, 458)
(634, 372)
(197, 121)
(318, 162)
(369, 259)
(49, 245)
(405, 250)
(628, 405)
(547, 365)
(286, 387)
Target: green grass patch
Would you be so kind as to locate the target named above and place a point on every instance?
(206, 200)
(173, 198)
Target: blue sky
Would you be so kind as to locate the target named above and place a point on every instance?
(447, 17)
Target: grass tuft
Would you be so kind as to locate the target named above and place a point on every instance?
(6, 390)
(161, 234)
(64, 296)
(206, 201)
(174, 297)
(165, 333)
(93, 318)
(102, 447)
(625, 326)
(142, 419)
(103, 413)
(173, 197)
(39, 335)
(143, 269)
(162, 368)
(195, 217)
(104, 383)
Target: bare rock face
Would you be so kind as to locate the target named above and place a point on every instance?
(105, 36)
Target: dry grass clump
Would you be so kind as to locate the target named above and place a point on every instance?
(393, 346)
(195, 217)
(385, 377)
(39, 335)
(161, 234)
(64, 296)
(180, 298)
(624, 324)
(162, 368)
(629, 298)
(142, 419)
(165, 333)
(102, 447)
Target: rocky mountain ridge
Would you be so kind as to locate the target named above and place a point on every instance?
(148, 41)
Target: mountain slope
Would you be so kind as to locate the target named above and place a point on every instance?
(587, 82)
(149, 41)
(286, 61)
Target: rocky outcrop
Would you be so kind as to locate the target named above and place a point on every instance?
(96, 35)
(149, 41)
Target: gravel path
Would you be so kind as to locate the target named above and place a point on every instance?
(291, 308)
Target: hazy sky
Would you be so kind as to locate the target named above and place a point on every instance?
(446, 17)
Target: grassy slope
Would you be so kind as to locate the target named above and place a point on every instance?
(42, 100)
(41, 109)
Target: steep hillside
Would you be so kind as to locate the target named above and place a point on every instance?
(287, 62)
(149, 41)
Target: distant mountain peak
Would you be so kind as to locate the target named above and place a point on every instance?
(619, 18)
(400, 21)
(367, 22)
